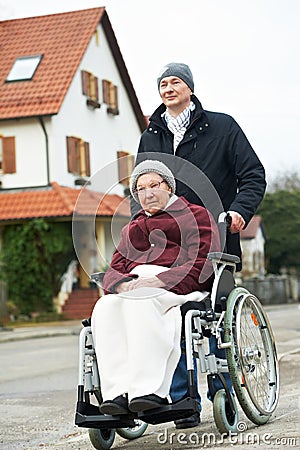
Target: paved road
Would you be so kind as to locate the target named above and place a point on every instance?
(38, 379)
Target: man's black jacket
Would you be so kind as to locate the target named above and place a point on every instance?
(231, 177)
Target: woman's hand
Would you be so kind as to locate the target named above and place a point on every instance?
(124, 287)
(147, 282)
(139, 283)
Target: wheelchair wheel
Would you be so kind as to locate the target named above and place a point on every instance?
(252, 359)
(134, 432)
(102, 438)
(224, 419)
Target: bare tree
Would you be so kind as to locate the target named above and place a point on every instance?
(285, 181)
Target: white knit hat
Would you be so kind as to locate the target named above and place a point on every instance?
(149, 166)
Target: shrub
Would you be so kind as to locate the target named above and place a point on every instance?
(34, 256)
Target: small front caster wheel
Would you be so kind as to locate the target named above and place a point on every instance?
(226, 420)
(102, 438)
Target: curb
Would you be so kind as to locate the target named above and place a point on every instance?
(23, 333)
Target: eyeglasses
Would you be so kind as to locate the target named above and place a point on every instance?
(153, 187)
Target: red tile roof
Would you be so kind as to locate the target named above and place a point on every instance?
(59, 201)
(250, 231)
(62, 39)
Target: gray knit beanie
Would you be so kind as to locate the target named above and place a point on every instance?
(148, 166)
(179, 70)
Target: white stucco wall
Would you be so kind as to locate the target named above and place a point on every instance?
(106, 133)
(31, 168)
(253, 255)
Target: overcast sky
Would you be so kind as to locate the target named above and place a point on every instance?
(244, 55)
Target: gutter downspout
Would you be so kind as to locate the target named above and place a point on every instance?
(47, 149)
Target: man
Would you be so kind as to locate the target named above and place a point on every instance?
(179, 131)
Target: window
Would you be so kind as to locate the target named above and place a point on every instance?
(90, 88)
(125, 167)
(78, 154)
(24, 68)
(110, 97)
(7, 154)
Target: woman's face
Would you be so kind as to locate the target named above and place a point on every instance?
(153, 192)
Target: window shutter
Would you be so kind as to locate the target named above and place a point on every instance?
(8, 155)
(87, 159)
(93, 88)
(125, 166)
(85, 82)
(116, 106)
(105, 91)
(71, 154)
(96, 89)
(112, 102)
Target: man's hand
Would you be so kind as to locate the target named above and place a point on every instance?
(237, 222)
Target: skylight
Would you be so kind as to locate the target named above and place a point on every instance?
(24, 68)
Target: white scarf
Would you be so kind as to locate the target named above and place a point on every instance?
(178, 125)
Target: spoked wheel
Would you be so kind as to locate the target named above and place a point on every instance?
(252, 359)
(134, 432)
(102, 438)
(224, 418)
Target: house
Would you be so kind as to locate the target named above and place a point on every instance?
(252, 242)
(67, 104)
(70, 123)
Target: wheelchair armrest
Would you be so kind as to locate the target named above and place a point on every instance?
(223, 257)
(97, 278)
(86, 322)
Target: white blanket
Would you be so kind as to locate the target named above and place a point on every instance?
(137, 338)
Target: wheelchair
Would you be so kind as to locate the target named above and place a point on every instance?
(238, 322)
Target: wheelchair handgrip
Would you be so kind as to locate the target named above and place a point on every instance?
(228, 220)
(224, 223)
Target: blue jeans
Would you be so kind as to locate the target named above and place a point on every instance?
(179, 386)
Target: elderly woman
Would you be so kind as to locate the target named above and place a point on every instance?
(159, 264)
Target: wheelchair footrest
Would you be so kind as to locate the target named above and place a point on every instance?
(168, 413)
(89, 416)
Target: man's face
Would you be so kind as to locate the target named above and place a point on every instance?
(175, 93)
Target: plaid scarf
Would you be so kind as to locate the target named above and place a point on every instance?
(178, 125)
